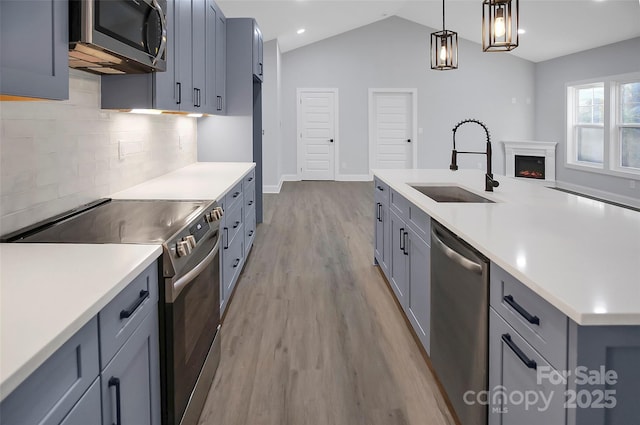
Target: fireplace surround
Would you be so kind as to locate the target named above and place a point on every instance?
(536, 160)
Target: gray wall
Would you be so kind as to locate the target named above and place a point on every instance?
(551, 79)
(395, 53)
(271, 117)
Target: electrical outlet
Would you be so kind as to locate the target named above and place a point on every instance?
(632, 184)
(180, 144)
(129, 147)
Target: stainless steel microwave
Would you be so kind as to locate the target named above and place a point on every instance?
(118, 36)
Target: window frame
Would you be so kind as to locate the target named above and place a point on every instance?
(611, 161)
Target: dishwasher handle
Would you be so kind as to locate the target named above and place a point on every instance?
(455, 256)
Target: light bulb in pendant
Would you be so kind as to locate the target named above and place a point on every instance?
(499, 28)
(443, 52)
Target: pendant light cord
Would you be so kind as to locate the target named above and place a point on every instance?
(443, 27)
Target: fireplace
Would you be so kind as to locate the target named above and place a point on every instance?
(531, 159)
(530, 167)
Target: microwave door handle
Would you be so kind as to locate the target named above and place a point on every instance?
(179, 285)
(163, 38)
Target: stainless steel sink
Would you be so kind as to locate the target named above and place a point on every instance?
(451, 194)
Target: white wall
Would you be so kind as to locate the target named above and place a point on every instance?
(58, 155)
(395, 53)
(271, 118)
(551, 79)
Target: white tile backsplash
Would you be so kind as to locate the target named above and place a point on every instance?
(57, 155)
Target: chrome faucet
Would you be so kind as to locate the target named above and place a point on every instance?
(489, 182)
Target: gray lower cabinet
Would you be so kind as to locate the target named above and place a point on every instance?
(419, 296)
(399, 259)
(131, 381)
(517, 395)
(70, 387)
(34, 49)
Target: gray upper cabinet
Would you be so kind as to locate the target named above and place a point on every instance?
(34, 57)
(192, 81)
(221, 63)
(257, 52)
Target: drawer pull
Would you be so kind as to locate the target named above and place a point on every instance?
(251, 233)
(235, 195)
(235, 264)
(250, 179)
(235, 226)
(402, 239)
(404, 248)
(380, 188)
(125, 314)
(531, 364)
(534, 320)
(250, 203)
(115, 382)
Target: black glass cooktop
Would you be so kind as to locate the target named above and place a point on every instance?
(120, 221)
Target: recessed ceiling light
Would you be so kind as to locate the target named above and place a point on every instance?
(301, 30)
(522, 31)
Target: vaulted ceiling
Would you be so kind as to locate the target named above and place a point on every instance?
(553, 28)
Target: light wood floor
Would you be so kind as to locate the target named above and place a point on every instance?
(313, 335)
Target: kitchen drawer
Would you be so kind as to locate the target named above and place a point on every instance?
(249, 231)
(122, 316)
(232, 197)
(398, 204)
(542, 325)
(250, 199)
(50, 392)
(381, 190)
(231, 265)
(516, 368)
(233, 219)
(420, 222)
(249, 178)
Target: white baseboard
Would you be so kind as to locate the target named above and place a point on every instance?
(353, 178)
(277, 188)
(607, 196)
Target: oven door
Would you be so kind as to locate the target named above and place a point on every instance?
(135, 29)
(191, 324)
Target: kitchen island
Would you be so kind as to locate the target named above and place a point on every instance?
(563, 291)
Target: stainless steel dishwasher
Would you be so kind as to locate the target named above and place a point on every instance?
(459, 321)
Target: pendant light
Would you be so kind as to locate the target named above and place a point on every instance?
(500, 25)
(444, 48)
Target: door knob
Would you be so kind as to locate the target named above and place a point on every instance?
(408, 140)
(331, 140)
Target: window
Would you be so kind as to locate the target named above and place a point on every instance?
(603, 125)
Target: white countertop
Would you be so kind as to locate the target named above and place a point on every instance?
(49, 291)
(582, 256)
(201, 180)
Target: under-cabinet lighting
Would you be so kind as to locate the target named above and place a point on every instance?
(146, 111)
(301, 31)
(194, 115)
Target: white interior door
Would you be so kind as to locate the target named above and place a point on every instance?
(392, 129)
(316, 134)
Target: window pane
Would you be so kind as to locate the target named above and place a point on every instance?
(630, 96)
(584, 115)
(630, 147)
(598, 95)
(590, 145)
(598, 114)
(585, 97)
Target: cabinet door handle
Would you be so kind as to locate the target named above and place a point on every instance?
(380, 188)
(115, 382)
(402, 239)
(531, 364)
(534, 320)
(226, 238)
(250, 203)
(237, 223)
(235, 264)
(125, 314)
(404, 249)
(179, 85)
(236, 194)
(251, 233)
(250, 179)
(378, 211)
(261, 69)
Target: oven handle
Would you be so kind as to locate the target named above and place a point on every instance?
(182, 283)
